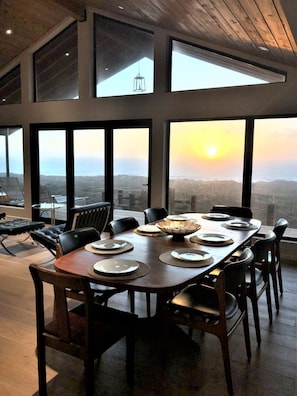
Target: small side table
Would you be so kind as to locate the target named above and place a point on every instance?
(48, 206)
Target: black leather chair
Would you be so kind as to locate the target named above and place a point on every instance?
(75, 239)
(154, 214)
(275, 268)
(93, 215)
(257, 277)
(236, 211)
(209, 307)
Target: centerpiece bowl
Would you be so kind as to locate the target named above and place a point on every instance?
(178, 229)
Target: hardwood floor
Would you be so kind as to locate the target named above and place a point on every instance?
(189, 369)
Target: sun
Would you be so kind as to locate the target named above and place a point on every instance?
(211, 151)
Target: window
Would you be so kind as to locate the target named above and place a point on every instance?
(130, 175)
(10, 87)
(205, 165)
(124, 59)
(11, 166)
(197, 68)
(56, 67)
(85, 163)
(89, 165)
(52, 172)
(274, 182)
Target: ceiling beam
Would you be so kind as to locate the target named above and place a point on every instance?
(75, 8)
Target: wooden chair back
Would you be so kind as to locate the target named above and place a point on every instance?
(84, 331)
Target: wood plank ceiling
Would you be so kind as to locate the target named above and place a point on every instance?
(243, 25)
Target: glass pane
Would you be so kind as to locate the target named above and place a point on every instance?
(56, 68)
(197, 68)
(11, 166)
(52, 167)
(124, 59)
(89, 184)
(131, 172)
(10, 87)
(274, 183)
(206, 165)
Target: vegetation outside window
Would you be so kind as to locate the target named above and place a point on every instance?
(274, 182)
(206, 164)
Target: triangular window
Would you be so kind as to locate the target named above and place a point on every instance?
(198, 68)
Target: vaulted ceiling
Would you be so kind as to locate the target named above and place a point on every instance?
(263, 28)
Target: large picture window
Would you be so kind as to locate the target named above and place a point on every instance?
(124, 59)
(274, 183)
(206, 164)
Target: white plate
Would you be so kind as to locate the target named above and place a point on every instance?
(213, 238)
(116, 267)
(109, 244)
(190, 254)
(217, 216)
(149, 228)
(176, 218)
(240, 224)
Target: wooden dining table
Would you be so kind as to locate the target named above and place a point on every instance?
(160, 277)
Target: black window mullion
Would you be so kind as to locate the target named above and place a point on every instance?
(248, 163)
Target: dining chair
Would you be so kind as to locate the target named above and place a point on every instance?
(257, 277)
(236, 211)
(154, 214)
(210, 308)
(122, 225)
(275, 268)
(75, 239)
(85, 331)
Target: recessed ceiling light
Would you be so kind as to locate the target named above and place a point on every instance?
(67, 53)
(262, 48)
(8, 31)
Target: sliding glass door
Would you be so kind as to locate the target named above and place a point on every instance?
(130, 171)
(78, 165)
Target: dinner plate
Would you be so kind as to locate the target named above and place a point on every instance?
(176, 218)
(111, 244)
(116, 267)
(149, 228)
(239, 224)
(213, 238)
(190, 254)
(217, 216)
